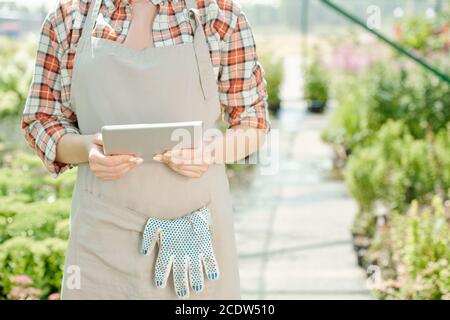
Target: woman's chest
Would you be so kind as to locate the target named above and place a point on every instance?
(170, 27)
(159, 29)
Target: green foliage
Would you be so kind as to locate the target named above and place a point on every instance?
(15, 75)
(316, 82)
(442, 157)
(414, 96)
(37, 220)
(34, 225)
(364, 224)
(42, 261)
(62, 229)
(424, 35)
(348, 125)
(421, 242)
(273, 73)
(24, 173)
(396, 168)
(385, 93)
(394, 123)
(34, 207)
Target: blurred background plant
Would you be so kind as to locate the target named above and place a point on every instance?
(316, 86)
(34, 226)
(34, 207)
(391, 136)
(16, 68)
(425, 36)
(274, 74)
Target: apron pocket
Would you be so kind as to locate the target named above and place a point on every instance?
(107, 241)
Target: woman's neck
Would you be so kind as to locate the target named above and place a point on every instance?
(140, 35)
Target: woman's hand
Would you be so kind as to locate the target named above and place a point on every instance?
(236, 144)
(109, 167)
(192, 163)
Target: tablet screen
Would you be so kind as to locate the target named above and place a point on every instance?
(147, 140)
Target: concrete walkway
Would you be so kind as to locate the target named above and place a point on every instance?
(293, 227)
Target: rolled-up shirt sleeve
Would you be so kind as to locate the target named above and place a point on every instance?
(46, 119)
(242, 86)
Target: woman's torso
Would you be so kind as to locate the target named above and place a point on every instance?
(115, 84)
(170, 27)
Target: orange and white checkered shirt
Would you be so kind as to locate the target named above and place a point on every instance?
(47, 115)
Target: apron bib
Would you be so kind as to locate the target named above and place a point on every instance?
(115, 84)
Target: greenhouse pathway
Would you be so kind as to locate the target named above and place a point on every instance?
(293, 227)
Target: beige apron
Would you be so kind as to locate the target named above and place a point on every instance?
(114, 84)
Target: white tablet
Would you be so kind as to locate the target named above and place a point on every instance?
(146, 140)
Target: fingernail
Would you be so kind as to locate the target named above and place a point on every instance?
(136, 160)
(157, 158)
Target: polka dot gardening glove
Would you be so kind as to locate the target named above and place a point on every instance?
(184, 244)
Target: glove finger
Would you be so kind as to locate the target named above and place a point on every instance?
(162, 269)
(211, 267)
(196, 274)
(180, 277)
(149, 237)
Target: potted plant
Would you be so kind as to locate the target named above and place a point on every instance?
(316, 90)
(273, 70)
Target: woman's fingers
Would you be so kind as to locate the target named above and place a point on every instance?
(193, 168)
(189, 171)
(107, 175)
(105, 169)
(189, 174)
(115, 160)
(96, 155)
(110, 167)
(98, 139)
(185, 156)
(186, 162)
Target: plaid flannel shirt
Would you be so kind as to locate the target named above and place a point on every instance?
(47, 115)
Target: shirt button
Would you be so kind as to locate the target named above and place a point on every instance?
(118, 29)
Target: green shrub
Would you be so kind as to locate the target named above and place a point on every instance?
(34, 226)
(394, 168)
(424, 34)
(24, 173)
(364, 224)
(348, 124)
(393, 122)
(316, 82)
(384, 93)
(62, 229)
(364, 176)
(414, 96)
(442, 154)
(421, 247)
(37, 220)
(274, 73)
(15, 75)
(42, 261)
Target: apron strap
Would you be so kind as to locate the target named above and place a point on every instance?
(91, 18)
(201, 47)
